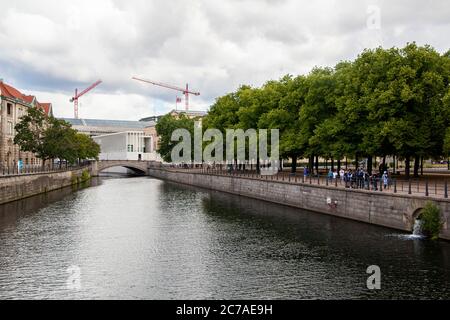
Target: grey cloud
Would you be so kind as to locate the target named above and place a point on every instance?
(215, 46)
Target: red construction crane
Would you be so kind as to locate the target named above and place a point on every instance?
(186, 91)
(82, 93)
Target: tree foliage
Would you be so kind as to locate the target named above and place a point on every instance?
(386, 102)
(166, 126)
(50, 138)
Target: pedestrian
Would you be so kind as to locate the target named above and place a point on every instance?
(385, 180)
(330, 175)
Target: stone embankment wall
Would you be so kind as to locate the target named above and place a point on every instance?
(18, 187)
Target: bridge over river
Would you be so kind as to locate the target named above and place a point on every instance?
(138, 167)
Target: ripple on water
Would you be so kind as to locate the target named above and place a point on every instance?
(142, 238)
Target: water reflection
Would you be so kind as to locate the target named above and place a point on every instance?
(147, 239)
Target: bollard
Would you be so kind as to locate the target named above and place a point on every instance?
(395, 185)
(336, 182)
(427, 193)
(445, 189)
(409, 187)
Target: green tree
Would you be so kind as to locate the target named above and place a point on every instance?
(59, 141)
(319, 105)
(86, 147)
(166, 126)
(284, 115)
(50, 138)
(30, 133)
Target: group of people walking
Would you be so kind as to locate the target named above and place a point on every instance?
(359, 178)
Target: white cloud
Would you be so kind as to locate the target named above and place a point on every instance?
(52, 47)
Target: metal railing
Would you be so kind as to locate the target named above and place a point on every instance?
(7, 171)
(396, 185)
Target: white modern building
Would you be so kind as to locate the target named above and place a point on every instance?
(129, 145)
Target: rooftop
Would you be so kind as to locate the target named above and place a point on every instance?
(190, 112)
(109, 123)
(10, 92)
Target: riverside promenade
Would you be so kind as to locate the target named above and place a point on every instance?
(433, 185)
(396, 207)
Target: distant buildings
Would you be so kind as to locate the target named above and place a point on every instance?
(177, 113)
(120, 139)
(14, 104)
(134, 139)
(150, 129)
(96, 127)
(129, 145)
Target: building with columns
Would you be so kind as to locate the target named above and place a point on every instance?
(129, 145)
(14, 104)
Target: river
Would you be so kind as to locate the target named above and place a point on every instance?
(142, 238)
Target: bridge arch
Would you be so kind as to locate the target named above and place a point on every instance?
(139, 167)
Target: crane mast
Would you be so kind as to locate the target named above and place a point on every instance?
(77, 95)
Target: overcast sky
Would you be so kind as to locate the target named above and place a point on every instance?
(49, 47)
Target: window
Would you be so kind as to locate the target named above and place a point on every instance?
(130, 148)
(9, 109)
(10, 128)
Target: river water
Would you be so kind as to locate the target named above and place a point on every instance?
(142, 238)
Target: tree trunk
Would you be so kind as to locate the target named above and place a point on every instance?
(294, 164)
(346, 163)
(416, 166)
(317, 164)
(356, 162)
(421, 166)
(408, 166)
(332, 164)
(395, 160)
(369, 165)
(311, 164)
(339, 165)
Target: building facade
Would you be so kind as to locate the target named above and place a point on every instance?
(129, 145)
(14, 105)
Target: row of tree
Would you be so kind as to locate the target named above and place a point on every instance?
(387, 102)
(50, 138)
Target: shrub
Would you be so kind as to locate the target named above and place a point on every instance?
(432, 223)
(85, 176)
